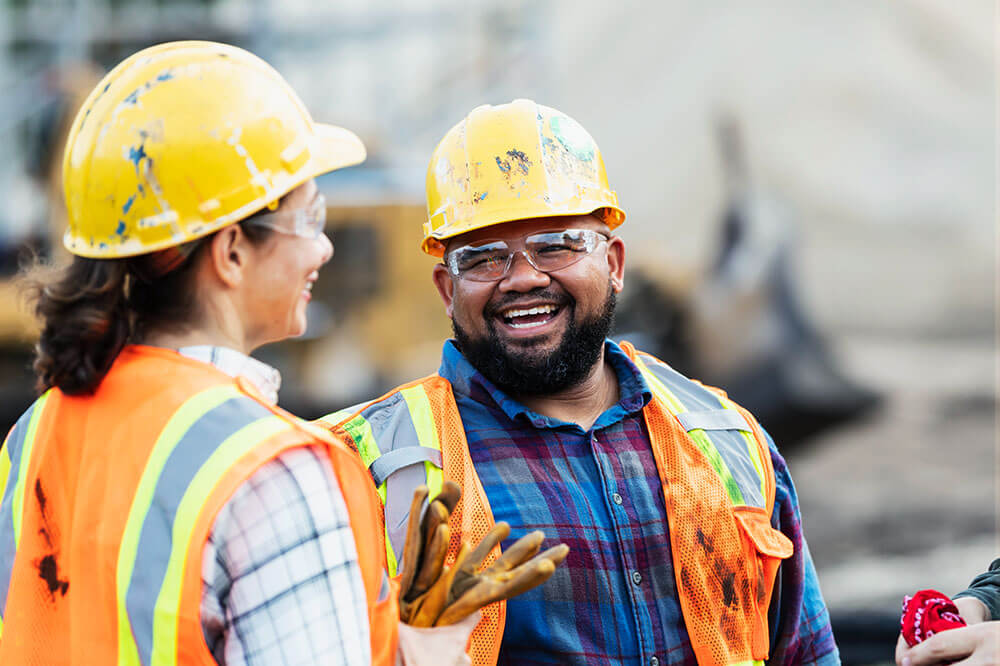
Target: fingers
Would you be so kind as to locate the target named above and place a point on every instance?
(556, 554)
(450, 494)
(487, 590)
(437, 596)
(436, 514)
(979, 644)
(497, 534)
(466, 576)
(523, 549)
(433, 561)
(414, 543)
(902, 649)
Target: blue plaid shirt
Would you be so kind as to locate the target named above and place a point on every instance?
(614, 600)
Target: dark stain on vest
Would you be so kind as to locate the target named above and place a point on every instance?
(42, 502)
(48, 570)
(48, 567)
(730, 630)
(705, 541)
(727, 578)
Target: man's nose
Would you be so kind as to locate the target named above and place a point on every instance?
(523, 276)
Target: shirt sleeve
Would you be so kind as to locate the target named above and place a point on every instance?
(800, 622)
(986, 588)
(282, 584)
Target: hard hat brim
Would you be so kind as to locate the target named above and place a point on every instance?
(336, 148)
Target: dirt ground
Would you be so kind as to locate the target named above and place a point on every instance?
(906, 499)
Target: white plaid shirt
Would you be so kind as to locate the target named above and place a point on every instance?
(282, 584)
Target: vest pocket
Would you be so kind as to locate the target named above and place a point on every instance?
(763, 547)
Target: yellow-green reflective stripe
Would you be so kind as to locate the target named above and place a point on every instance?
(701, 440)
(182, 420)
(361, 432)
(22, 472)
(4, 468)
(168, 601)
(423, 424)
(752, 449)
(336, 417)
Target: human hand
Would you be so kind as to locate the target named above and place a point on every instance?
(432, 594)
(973, 645)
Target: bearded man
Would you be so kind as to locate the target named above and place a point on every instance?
(685, 537)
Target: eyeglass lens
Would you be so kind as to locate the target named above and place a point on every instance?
(546, 251)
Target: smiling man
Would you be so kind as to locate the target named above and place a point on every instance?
(683, 524)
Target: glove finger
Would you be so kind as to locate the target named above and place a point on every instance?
(437, 596)
(488, 591)
(436, 514)
(450, 494)
(522, 550)
(413, 544)
(433, 561)
(556, 554)
(497, 533)
(467, 576)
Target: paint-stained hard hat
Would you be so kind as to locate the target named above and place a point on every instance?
(514, 162)
(182, 139)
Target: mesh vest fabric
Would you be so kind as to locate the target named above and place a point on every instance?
(117, 492)
(391, 421)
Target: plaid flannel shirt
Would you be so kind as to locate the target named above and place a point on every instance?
(614, 600)
(280, 573)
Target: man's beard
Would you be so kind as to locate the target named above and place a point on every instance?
(519, 372)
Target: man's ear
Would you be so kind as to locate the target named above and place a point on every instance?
(229, 255)
(445, 286)
(616, 263)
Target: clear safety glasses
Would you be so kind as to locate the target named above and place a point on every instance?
(304, 222)
(490, 260)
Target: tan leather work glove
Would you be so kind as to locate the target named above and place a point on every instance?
(432, 594)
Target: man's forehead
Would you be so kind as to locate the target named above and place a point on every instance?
(518, 228)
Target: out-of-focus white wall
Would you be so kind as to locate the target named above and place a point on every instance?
(874, 123)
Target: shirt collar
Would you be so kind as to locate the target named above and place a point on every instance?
(634, 393)
(265, 379)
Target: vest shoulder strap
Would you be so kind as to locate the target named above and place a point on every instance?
(725, 433)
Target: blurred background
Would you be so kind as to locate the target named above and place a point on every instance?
(811, 192)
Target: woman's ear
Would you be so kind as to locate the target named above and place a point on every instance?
(230, 255)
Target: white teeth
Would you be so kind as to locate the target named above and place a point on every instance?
(537, 323)
(542, 309)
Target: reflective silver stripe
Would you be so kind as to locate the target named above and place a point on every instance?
(730, 443)
(155, 540)
(714, 419)
(393, 429)
(389, 463)
(14, 446)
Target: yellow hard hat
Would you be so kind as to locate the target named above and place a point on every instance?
(514, 162)
(182, 139)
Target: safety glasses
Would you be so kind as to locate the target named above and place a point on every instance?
(490, 260)
(304, 222)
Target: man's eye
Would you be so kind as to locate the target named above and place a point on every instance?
(478, 260)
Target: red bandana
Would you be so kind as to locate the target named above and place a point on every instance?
(926, 613)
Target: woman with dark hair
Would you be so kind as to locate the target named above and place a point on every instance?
(158, 507)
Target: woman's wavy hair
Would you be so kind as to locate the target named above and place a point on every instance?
(91, 308)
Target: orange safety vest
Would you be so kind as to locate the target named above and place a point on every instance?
(718, 483)
(108, 501)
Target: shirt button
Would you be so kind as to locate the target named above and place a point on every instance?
(653, 661)
(617, 499)
(636, 577)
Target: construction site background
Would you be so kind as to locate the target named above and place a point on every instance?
(811, 191)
